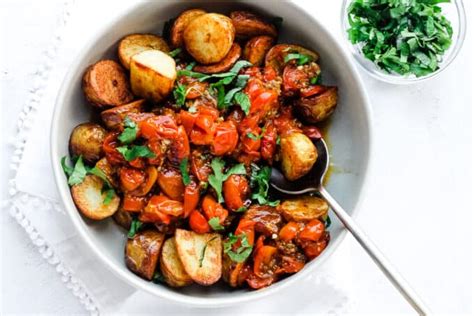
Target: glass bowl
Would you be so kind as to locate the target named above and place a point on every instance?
(454, 12)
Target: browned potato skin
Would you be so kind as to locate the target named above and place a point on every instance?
(256, 49)
(113, 118)
(86, 140)
(298, 155)
(224, 65)
(136, 43)
(267, 219)
(88, 197)
(122, 218)
(109, 171)
(176, 36)
(105, 84)
(171, 266)
(209, 37)
(317, 108)
(304, 208)
(276, 55)
(142, 252)
(248, 25)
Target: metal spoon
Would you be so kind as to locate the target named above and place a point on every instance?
(312, 182)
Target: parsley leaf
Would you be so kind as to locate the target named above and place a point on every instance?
(175, 52)
(243, 100)
(327, 221)
(99, 173)
(134, 227)
(218, 177)
(132, 152)
(79, 172)
(215, 224)
(129, 134)
(241, 209)
(179, 94)
(259, 180)
(158, 278)
(67, 169)
(203, 253)
(239, 65)
(256, 137)
(242, 253)
(109, 195)
(193, 74)
(301, 59)
(183, 167)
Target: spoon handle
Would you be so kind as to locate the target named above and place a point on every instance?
(387, 268)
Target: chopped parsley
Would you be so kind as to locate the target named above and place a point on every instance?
(218, 177)
(134, 227)
(130, 131)
(183, 167)
(300, 59)
(215, 224)
(241, 253)
(179, 94)
(259, 181)
(134, 151)
(175, 52)
(203, 253)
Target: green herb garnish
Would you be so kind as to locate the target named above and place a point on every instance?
(179, 94)
(218, 177)
(158, 278)
(132, 152)
(259, 180)
(215, 224)
(256, 137)
(242, 253)
(243, 100)
(203, 253)
(327, 221)
(130, 131)
(241, 209)
(175, 52)
(400, 36)
(109, 195)
(183, 167)
(301, 59)
(134, 227)
(78, 173)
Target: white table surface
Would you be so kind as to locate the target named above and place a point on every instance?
(418, 207)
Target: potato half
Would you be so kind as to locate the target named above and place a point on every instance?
(256, 49)
(317, 108)
(201, 255)
(89, 198)
(113, 118)
(304, 208)
(86, 141)
(298, 155)
(248, 24)
(209, 37)
(176, 36)
(136, 43)
(142, 253)
(224, 65)
(152, 74)
(172, 267)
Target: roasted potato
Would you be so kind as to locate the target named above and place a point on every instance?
(276, 55)
(142, 252)
(209, 37)
(176, 36)
(113, 118)
(317, 108)
(247, 24)
(122, 218)
(224, 65)
(257, 48)
(109, 170)
(152, 74)
(201, 255)
(266, 218)
(137, 43)
(105, 84)
(86, 140)
(298, 155)
(304, 208)
(89, 198)
(172, 267)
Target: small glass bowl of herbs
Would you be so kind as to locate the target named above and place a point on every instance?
(404, 41)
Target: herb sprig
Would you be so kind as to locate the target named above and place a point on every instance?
(241, 253)
(218, 177)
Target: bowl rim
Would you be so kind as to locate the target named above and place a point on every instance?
(132, 280)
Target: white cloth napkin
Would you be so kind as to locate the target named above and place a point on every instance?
(36, 206)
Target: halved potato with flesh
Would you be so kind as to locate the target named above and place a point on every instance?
(86, 141)
(256, 49)
(105, 84)
(142, 253)
(89, 198)
(304, 208)
(201, 255)
(317, 108)
(224, 65)
(176, 36)
(152, 74)
(248, 24)
(113, 118)
(276, 55)
(136, 43)
(172, 267)
(209, 37)
(298, 155)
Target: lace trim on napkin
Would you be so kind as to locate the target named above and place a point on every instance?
(25, 122)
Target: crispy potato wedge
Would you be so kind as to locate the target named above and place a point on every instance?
(109, 170)
(142, 253)
(201, 255)
(317, 108)
(86, 140)
(137, 43)
(152, 74)
(176, 36)
(248, 24)
(105, 84)
(89, 198)
(257, 48)
(276, 55)
(172, 267)
(224, 65)
(113, 118)
(122, 218)
(304, 208)
(209, 37)
(298, 155)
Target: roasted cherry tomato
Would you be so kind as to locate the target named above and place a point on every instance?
(198, 223)
(133, 203)
(179, 147)
(147, 185)
(170, 182)
(187, 120)
(312, 231)
(235, 189)
(159, 126)
(159, 148)
(289, 231)
(200, 165)
(311, 90)
(161, 209)
(269, 139)
(312, 249)
(294, 79)
(131, 179)
(211, 209)
(246, 227)
(191, 198)
(225, 138)
(264, 261)
(291, 264)
(111, 153)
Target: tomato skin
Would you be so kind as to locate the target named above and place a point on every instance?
(294, 79)
(290, 264)
(200, 165)
(268, 146)
(312, 231)
(263, 261)
(225, 138)
(311, 90)
(131, 179)
(159, 126)
(133, 203)
(109, 147)
(170, 182)
(180, 148)
(312, 249)
(256, 282)
(191, 198)
(246, 227)
(269, 73)
(187, 120)
(289, 231)
(235, 189)
(198, 223)
(161, 209)
(211, 209)
(195, 90)
(312, 132)
(158, 147)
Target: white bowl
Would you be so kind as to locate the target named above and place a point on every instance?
(349, 135)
